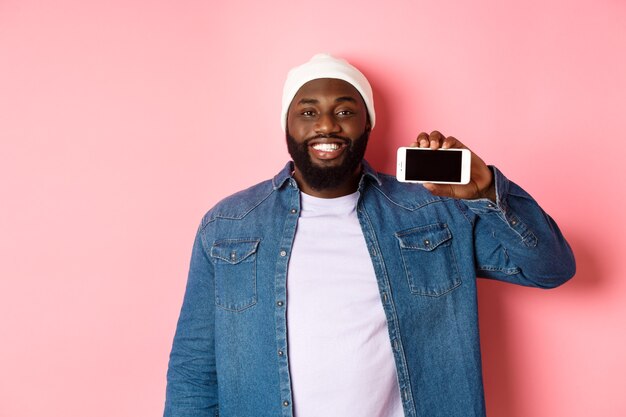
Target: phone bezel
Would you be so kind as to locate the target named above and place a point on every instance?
(466, 157)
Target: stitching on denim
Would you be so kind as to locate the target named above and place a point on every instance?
(464, 209)
(431, 230)
(214, 214)
(413, 208)
(394, 325)
(234, 307)
(424, 291)
(507, 271)
(220, 243)
(529, 239)
(446, 243)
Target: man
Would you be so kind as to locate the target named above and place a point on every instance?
(333, 290)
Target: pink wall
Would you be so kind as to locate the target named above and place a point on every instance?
(121, 122)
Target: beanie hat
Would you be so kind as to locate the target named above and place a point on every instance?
(326, 66)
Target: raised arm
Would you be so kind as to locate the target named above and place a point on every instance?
(514, 239)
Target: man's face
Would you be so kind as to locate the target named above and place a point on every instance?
(327, 132)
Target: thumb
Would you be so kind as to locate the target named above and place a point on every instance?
(441, 190)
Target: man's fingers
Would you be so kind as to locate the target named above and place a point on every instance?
(449, 142)
(445, 190)
(451, 191)
(430, 187)
(436, 139)
(422, 140)
(436, 189)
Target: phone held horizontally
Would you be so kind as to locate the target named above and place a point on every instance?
(441, 166)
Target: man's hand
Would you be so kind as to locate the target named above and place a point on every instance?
(481, 183)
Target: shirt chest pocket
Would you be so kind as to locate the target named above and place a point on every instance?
(429, 260)
(235, 273)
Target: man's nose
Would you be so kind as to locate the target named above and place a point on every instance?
(327, 124)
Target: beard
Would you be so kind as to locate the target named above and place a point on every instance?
(323, 178)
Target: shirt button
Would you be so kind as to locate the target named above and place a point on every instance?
(513, 222)
(286, 403)
(280, 353)
(283, 253)
(427, 242)
(279, 303)
(293, 211)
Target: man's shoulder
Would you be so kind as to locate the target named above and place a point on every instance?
(238, 205)
(410, 196)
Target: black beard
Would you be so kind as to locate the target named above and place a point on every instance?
(324, 178)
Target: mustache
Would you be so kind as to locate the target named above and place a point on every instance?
(343, 139)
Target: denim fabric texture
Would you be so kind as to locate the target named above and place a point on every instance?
(230, 356)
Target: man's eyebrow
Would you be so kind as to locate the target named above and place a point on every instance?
(305, 101)
(308, 101)
(345, 98)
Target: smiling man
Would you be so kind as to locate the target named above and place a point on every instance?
(333, 290)
(327, 131)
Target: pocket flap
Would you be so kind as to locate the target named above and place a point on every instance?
(424, 238)
(234, 251)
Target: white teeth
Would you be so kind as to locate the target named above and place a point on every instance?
(326, 147)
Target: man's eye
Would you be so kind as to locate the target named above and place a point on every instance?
(344, 113)
(308, 113)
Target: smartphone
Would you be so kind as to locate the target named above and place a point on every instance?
(441, 166)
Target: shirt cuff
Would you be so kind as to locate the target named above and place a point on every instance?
(485, 207)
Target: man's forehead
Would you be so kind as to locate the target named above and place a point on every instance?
(328, 88)
(325, 66)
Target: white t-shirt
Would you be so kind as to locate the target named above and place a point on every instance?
(340, 355)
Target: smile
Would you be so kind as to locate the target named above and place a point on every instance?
(326, 147)
(327, 150)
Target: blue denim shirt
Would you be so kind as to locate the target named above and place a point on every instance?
(230, 355)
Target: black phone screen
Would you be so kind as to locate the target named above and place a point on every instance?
(427, 165)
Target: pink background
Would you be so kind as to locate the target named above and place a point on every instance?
(122, 122)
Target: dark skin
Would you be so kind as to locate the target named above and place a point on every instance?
(331, 106)
(481, 183)
(327, 106)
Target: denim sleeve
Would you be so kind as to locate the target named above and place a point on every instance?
(516, 241)
(191, 376)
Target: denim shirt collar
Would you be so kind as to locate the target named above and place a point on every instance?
(369, 174)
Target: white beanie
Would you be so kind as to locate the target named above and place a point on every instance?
(326, 66)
